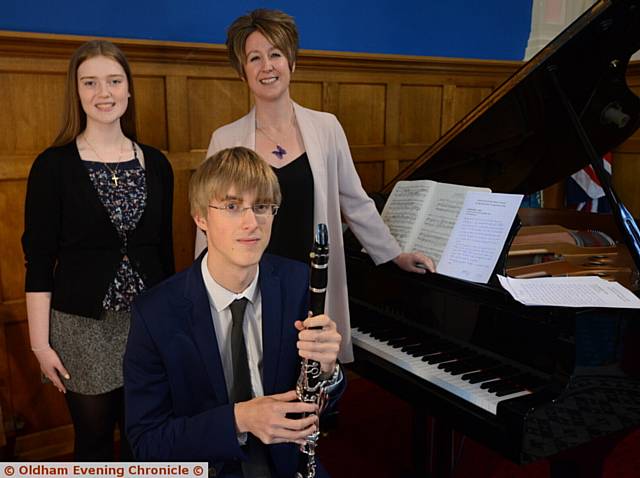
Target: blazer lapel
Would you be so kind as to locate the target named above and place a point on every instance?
(248, 130)
(203, 330)
(272, 325)
(313, 145)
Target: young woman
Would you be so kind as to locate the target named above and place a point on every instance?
(97, 233)
(309, 153)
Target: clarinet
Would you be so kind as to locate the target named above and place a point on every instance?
(310, 387)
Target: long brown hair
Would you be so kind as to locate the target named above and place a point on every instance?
(74, 119)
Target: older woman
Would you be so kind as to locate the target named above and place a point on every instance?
(309, 153)
(97, 233)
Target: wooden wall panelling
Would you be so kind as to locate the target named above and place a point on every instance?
(151, 111)
(371, 175)
(330, 91)
(178, 125)
(420, 114)
(12, 194)
(448, 108)
(361, 111)
(31, 110)
(213, 103)
(392, 129)
(466, 98)
(183, 226)
(308, 94)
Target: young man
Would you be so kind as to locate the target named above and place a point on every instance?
(206, 382)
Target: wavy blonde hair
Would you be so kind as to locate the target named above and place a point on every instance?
(239, 168)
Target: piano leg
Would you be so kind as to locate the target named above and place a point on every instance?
(420, 454)
(441, 449)
(431, 446)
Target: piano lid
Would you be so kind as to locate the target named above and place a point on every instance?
(520, 139)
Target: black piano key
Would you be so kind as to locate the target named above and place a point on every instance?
(437, 358)
(492, 382)
(442, 357)
(498, 385)
(477, 377)
(460, 359)
(369, 329)
(472, 364)
(502, 376)
(439, 347)
(519, 379)
(422, 352)
(506, 388)
(490, 373)
(388, 335)
(422, 341)
(400, 342)
(410, 349)
(509, 391)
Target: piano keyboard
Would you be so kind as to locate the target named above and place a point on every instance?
(480, 380)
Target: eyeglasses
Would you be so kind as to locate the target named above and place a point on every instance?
(235, 210)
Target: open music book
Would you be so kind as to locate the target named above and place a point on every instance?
(462, 228)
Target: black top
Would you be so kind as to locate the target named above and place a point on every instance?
(72, 248)
(292, 231)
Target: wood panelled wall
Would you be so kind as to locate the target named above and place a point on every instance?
(392, 108)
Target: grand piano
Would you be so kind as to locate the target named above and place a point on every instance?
(528, 382)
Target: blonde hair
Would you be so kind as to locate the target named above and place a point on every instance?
(239, 168)
(276, 26)
(74, 119)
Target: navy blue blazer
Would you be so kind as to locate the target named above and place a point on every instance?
(177, 406)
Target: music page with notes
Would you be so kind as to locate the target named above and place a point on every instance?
(469, 223)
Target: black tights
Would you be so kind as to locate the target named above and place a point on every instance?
(94, 419)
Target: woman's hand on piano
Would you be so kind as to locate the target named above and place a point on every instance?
(415, 262)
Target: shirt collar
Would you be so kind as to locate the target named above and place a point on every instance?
(221, 297)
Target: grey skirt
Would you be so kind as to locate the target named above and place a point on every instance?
(91, 350)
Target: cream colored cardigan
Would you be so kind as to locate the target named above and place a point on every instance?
(337, 188)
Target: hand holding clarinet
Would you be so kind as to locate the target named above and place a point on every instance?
(292, 416)
(318, 345)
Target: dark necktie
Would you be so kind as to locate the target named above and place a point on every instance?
(241, 376)
(257, 465)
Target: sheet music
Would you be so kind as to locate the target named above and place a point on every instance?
(588, 291)
(405, 204)
(479, 235)
(434, 231)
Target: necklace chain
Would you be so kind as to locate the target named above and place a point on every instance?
(114, 171)
(279, 152)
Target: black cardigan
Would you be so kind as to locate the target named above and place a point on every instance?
(71, 247)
